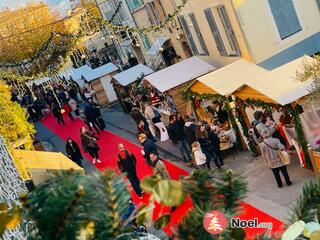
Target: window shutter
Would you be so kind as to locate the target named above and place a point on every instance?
(285, 16)
(215, 32)
(199, 35)
(189, 35)
(229, 31)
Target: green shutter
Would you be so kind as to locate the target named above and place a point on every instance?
(285, 16)
(199, 35)
(215, 32)
(189, 35)
(229, 31)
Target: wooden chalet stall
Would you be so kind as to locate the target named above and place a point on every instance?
(100, 82)
(124, 82)
(281, 88)
(224, 82)
(175, 78)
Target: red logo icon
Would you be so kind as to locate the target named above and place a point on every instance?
(215, 222)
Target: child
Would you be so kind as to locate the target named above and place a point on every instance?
(199, 157)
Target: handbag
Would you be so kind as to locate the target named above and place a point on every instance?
(92, 143)
(284, 156)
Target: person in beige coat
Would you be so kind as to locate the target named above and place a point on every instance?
(269, 149)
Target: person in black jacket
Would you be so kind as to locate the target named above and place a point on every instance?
(127, 164)
(215, 147)
(73, 151)
(176, 134)
(203, 138)
(190, 130)
(218, 111)
(148, 147)
(91, 118)
(56, 111)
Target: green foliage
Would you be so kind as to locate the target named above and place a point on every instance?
(307, 205)
(208, 193)
(202, 188)
(312, 71)
(64, 206)
(191, 227)
(234, 189)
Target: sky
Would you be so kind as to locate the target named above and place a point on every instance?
(58, 5)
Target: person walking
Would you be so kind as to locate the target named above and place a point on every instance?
(176, 134)
(127, 164)
(159, 169)
(74, 106)
(73, 151)
(67, 109)
(89, 144)
(91, 118)
(269, 149)
(148, 147)
(199, 157)
(56, 111)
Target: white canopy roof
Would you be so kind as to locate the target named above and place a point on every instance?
(38, 81)
(156, 46)
(228, 79)
(100, 71)
(129, 76)
(281, 84)
(179, 73)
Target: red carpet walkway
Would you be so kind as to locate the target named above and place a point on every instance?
(108, 155)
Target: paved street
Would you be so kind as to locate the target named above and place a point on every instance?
(263, 192)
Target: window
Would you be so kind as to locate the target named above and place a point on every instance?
(134, 4)
(285, 16)
(222, 31)
(152, 12)
(318, 2)
(145, 41)
(193, 34)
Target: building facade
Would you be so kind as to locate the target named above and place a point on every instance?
(213, 31)
(278, 32)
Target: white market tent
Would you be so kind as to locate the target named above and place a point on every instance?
(228, 79)
(155, 48)
(38, 81)
(77, 74)
(179, 73)
(281, 84)
(129, 76)
(100, 71)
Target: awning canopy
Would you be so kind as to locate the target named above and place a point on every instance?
(228, 79)
(46, 160)
(38, 81)
(100, 71)
(129, 76)
(281, 84)
(179, 73)
(157, 45)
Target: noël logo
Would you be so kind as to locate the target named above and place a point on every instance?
(215, 222)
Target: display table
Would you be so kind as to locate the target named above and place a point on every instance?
(164, 116)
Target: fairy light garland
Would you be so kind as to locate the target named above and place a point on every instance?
(90, 26)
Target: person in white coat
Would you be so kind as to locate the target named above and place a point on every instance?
(198, 156)
(154, 119)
